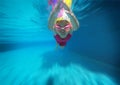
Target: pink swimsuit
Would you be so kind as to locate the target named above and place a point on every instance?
(61, 41)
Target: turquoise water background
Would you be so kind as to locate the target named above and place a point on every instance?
(28, 52)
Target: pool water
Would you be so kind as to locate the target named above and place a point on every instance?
(29, 54)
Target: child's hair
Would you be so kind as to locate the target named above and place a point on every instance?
(62, 22)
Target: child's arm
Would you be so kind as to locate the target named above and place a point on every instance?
(64, 5)
(73, 19)
(53, 16)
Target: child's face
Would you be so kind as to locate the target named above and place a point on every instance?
(63, 27)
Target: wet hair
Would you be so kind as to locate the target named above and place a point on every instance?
(62, 23)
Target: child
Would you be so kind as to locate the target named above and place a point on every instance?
(62, 21)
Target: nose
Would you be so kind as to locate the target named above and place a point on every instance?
(62, 30)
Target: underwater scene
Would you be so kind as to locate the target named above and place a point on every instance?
(59, 42)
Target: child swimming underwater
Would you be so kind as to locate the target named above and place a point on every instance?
(62, 21)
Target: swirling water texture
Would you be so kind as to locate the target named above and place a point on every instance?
(30, 66)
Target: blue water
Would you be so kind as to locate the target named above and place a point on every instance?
(28, 52)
